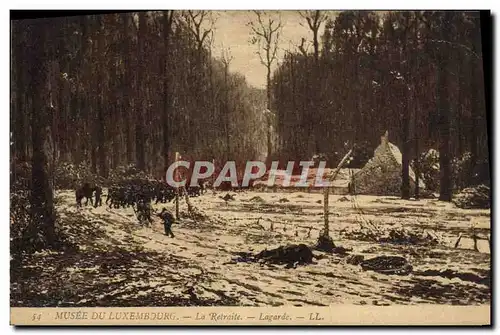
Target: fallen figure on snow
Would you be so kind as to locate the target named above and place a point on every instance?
(291, 255)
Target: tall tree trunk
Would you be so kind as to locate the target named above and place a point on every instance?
(475, 95)
(92, 101)
(62, 119)
(116, 144)
(405, 160)
(88, 103)
(444, 115)
(128, 137)
(93, 143)
(167, 26)
(101, 120)
(41, 230)
(405, 173)
(21, 125)
(139, 126)
(101, 146)
(81, 118)
(416, 113)
(475, 110)
(268, 106)
(128, 103)
(316, 105)
(227, 118)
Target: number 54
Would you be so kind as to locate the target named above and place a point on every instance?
(36, 317)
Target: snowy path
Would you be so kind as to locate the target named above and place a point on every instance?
(200, 256)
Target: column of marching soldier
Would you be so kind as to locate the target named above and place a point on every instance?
(139, 194)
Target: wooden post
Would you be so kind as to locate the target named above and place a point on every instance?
(326, 211)
(177, 189)
(188, 202)
(326, 193)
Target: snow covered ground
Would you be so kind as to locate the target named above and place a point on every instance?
(123, 264)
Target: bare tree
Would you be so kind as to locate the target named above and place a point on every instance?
(201, 24)
(265, 32)
(226, 59)
(314, 19)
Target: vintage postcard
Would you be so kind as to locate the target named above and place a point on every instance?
(187, 167)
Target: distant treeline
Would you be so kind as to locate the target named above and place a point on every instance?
(418, 75)
(130, 88)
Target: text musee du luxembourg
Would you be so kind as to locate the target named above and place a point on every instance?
(170, 316)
